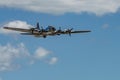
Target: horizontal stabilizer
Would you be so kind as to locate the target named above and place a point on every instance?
(26, 33)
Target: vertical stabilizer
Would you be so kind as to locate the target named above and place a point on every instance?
(37, 26)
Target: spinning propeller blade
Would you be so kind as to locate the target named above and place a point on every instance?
(69, 31)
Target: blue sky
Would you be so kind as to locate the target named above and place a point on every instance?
(89, 56)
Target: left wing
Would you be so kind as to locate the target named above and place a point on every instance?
(17, 29)
(69, 32)
(84, 31)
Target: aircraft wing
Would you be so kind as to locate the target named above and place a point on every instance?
(17, 29)
(84, 31)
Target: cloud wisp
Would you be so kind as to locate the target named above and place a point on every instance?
(12, 56)
(105, 26)
(98, 7)
(53, 60)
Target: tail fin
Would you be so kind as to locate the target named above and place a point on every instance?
(37, 26)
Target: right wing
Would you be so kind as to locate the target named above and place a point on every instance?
(17, 29)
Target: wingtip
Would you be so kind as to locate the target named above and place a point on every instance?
(5, 27)
(90, 31)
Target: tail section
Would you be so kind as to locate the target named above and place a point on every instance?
(37, 26)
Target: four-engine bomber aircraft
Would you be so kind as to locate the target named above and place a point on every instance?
(49, 31)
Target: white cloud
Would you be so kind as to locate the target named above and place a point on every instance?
(98, 7)
(41, 53)
(53, 60)
(44, 55)
(9, 55)
(105, 26)
(15, 24)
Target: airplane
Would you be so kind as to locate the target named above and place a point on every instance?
(49, 31)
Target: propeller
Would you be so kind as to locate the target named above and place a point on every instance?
(32, 29)
(42, 30)
(69, 31)
(59, 31)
